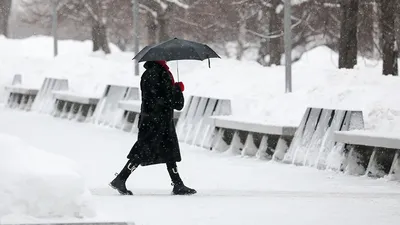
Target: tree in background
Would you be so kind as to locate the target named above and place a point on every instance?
(348, 34)
(390, 48)
(5, 9)
(159, 17)
(236, 28)
(95, 14)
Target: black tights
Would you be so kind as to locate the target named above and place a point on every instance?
(132, 165)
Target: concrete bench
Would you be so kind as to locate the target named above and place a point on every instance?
(71, 105)
(250, 139)
(131, 114)
(21, 97)
(194, 126)
(370, 153)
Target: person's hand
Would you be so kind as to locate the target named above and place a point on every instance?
(180, 85)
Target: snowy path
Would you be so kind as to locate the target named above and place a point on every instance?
(232, 190)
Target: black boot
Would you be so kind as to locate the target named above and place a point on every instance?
(179, 186)
(119, 181)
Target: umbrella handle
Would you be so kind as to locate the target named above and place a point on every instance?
(177, 69)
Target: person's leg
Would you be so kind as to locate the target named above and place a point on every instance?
(173, 173)
(119, 181)
(179, 187)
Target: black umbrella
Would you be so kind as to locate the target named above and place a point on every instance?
(176, 49)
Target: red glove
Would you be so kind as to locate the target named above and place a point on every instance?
(180, 85)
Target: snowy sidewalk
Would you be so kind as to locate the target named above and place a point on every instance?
(232, 190)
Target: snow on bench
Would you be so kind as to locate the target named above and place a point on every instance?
(71, 105)
(20, 96)
(75, 98)
(371, 153)
(250, 138)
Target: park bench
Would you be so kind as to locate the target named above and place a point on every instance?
(101, 109)
(195, 125)
(249, 138)
(18, 95)
(131, 113)
(370, 153)
(71, 105)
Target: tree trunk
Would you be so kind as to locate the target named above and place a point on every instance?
(95, 38)
(365, 34)
(376, 30)
(275, 29)
(348, 34)
(263, 52)
(163, 27)
(390, 50)
(99, 28)
(5, 9)
(163, 22)
(241, 47)
(151, 29)
(99, 38)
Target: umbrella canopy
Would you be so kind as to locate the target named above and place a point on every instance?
(176, 49)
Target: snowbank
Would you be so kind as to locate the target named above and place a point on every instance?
(38, 184)
(257, 93)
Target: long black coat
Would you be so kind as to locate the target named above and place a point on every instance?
(157, 140)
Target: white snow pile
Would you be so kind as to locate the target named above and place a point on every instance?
(38, 184)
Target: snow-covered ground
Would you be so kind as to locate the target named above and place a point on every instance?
(232, 190)
(38, 183)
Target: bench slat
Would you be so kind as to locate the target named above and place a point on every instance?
(367, 139)
(22, 90)
(71, 97)
(254, 127)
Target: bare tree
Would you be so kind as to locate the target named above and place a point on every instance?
(92, 13)
(159, 14)
(348, 34)
(390, 49)
(5, 9)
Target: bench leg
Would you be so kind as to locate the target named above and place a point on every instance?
(135, 123)
(79, 115)
(394, 163)
(90, 113)
(249, 149)
(71, 112)
(263, 148)
(236, 145)
(281, 148)
(22, 103)
(16, 101)
(124, 120)
(220, 145)
(31, 99)
(371, 162)
(63, 113)
(10, 100)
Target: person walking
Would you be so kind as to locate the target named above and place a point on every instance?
(157, 139)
